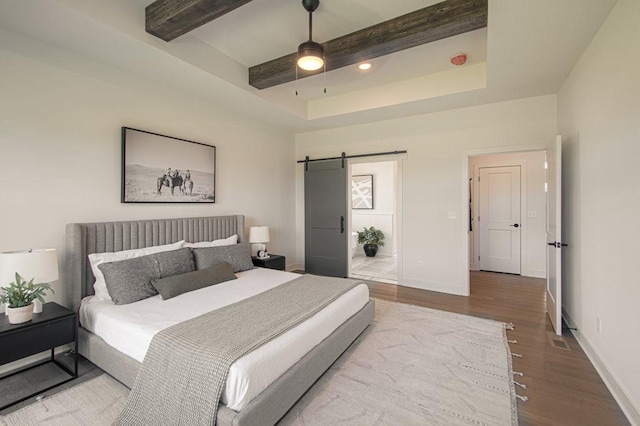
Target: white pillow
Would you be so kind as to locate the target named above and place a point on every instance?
(100, 286)
(215, 243)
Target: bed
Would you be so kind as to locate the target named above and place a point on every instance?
(275, 397)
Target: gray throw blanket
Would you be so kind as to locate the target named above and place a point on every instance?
(186, 366)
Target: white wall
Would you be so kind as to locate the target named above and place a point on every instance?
(384, 203)
(598, 110)
(533, 195)
(432, 182)
(61, 150)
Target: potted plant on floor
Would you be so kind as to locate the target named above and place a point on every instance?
(19, 297)
(372, 238)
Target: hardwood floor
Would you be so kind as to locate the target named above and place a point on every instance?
(562, 386)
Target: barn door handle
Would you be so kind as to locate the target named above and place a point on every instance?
(515, 225)
(342, 224)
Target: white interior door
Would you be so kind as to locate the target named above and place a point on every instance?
(554, 235)
(499, 219)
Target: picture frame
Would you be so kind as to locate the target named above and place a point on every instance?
(164, 169)
(362, 192)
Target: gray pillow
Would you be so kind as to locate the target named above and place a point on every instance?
(238, 255)
(178, 284)
(175, 262)
(208, 256)
(129, 280)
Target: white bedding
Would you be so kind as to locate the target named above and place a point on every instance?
(130, 328)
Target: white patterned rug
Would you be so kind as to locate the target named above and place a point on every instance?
(95, 402)
(412, 366)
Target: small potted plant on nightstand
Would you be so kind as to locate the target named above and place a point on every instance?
(372, 238)
(19, 297)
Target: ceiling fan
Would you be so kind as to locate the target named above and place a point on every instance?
(169, 19)
(310, 53)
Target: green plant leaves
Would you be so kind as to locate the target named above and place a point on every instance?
(22, 293)
(371, 236)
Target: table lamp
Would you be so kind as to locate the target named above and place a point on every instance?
(39, 264)
(260, 235)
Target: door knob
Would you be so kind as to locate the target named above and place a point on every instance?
(557, 244)
(515, 225)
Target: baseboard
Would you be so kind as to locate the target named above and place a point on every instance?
(294, 267)
(535, 273)
(408, 282)
(619, 394)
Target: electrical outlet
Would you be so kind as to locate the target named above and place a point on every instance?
(420, 264)
(452, 215)
(598, 325)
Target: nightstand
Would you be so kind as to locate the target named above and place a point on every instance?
(275, 261)
(55, 326)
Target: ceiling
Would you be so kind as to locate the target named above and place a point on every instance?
(527, 50)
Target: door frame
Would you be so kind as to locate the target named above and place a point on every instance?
(464, 202)
(378, 159)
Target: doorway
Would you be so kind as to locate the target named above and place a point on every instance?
(374, 189)
(507, 227)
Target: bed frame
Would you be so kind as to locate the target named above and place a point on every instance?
(269, 406)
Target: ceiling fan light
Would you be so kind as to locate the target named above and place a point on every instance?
(310, 56)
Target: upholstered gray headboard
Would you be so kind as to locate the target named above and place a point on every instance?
(85, 238)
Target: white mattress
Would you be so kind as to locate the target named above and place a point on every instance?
(130, 328)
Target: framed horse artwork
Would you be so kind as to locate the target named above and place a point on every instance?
(164, 169)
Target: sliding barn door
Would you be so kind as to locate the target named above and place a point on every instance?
(325, 206)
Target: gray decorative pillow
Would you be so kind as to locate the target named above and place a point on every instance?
(129, 280)
(209, 256)
(175, 262)
(238, 255)
(178, 284)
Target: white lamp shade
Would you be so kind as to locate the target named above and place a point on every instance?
(259, 234)
(42, 265)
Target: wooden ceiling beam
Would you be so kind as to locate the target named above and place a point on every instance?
(442, 20)
(169, 19)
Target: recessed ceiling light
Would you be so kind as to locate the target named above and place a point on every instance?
(364, 66)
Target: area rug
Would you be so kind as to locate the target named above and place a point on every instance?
(412, 366)
(94, 402)
(416, 366)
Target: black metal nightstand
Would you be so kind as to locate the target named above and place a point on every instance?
(275, 261)
(55, 326)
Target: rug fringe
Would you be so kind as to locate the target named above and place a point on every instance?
(522, 398)
(520, 384)
(512, 341)
(517, 355)
(517, 373)
(510, 326)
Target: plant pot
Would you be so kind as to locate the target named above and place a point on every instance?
(20, 315)
(370, 250)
